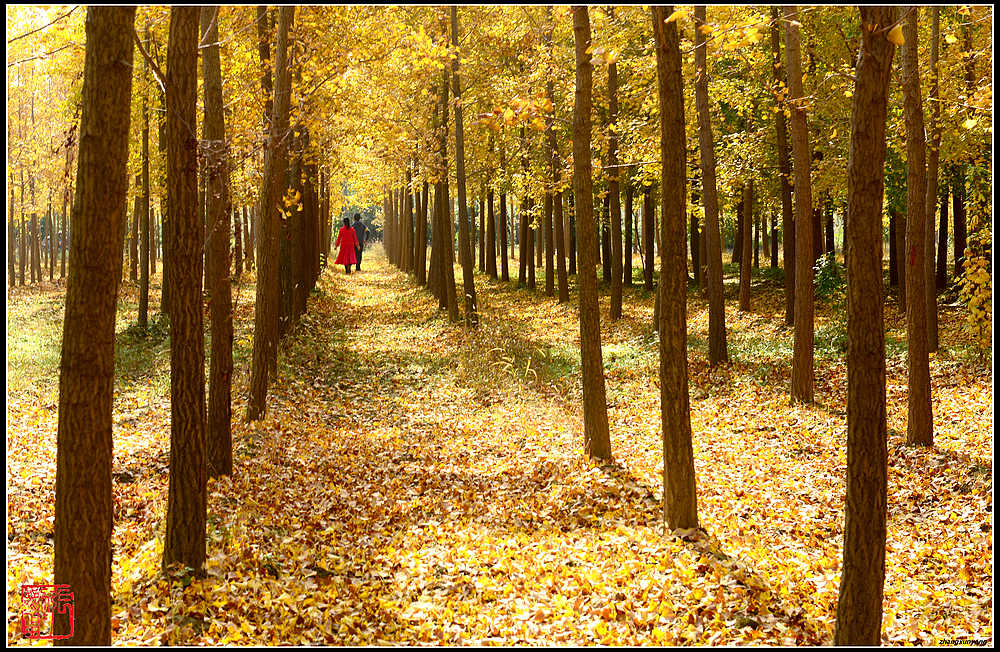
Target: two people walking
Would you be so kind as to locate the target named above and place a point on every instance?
(351, 239)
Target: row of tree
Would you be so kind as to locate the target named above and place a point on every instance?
(882, 29)
(320, 96)
(198, 268)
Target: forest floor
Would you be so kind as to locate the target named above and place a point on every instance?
(417, 482)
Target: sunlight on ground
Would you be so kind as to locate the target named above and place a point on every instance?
(415, 482)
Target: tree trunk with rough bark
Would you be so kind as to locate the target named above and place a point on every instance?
(597, 440)
(219, 432)
(785, 171)
(187, 496)
(680, 498)
(718, 351)
(745, 260)
(614, 205)
(859, 608)
(920, 422)
(930, 202)
(468, 262)
(265, 346)
(84, 508)
(802, 358)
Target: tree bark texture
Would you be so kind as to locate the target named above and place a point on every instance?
(597, 441)
(859, 608)
(680, 504)
(84, 510)
(802, 359)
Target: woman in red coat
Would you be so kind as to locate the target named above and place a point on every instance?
(347, 240)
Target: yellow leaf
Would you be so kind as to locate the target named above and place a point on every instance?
(895, 36)
(677, 15)
(950, 39)
(970, 123)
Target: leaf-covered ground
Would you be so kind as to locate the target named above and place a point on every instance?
(415, 482)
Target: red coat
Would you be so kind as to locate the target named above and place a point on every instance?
(347, 240)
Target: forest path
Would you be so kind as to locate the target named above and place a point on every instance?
(412, 483)
(416, 481)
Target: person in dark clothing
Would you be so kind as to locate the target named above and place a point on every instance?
(362, 233)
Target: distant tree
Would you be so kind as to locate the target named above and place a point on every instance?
(747, 246)
(468, 260)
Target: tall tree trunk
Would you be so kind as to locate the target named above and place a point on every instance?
(773, 235)
(745, 260)
(84, 509)
(859, 608)
(421, 236)
(187, 496)
(161, 145)
(23, 258)
(268, 291)
(597, 440)
(560, 245)
(648, 226)
(785, 171)
(901, 222)
(828, 224)
(468, 279)
(36, 271)
(67, 192)
(50, 233)
(504, 272)
(219, 433)
(893, 256)
(133, 245)
(238, 241)
(817, 227)
(920, 422)
(695, 232)
(615, 213)
(627, 246)
(738, 228)
(765, 236)
(11, 237)
(443, 237)
(571, 234)
(555, 266)
(482, 229)
(144, 215)
(802, 359)
(491, 235)
(718, 351)
(930, 202)
(604, 251)
(251, 229)
(942, 252)
(680, 501)
(959, 216)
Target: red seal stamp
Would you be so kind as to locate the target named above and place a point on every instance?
(39, 605)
